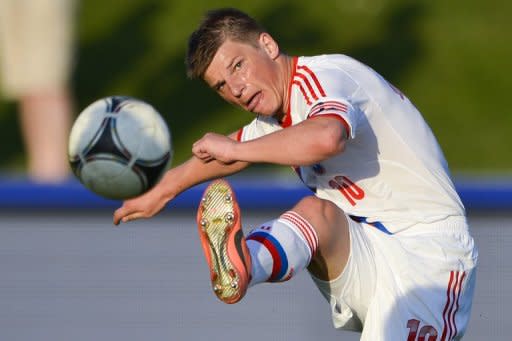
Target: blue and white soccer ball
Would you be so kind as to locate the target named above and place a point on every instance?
(119, 147)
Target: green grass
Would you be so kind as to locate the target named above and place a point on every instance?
(452, 58)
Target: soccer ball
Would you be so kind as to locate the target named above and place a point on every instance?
(119, 147)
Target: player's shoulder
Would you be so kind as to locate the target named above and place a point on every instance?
(331, 72)
(326, 62)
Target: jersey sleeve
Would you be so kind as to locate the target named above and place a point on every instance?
(338, 109)
(260, 126)
(328, 92)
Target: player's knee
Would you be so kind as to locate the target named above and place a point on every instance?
(316, 208)
(327, 219)
(311, 207)
(331, 227)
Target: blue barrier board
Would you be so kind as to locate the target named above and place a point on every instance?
(254, 193)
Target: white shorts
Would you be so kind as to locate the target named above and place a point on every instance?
(414, 285)
(35, 45)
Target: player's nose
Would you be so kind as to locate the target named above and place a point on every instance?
(236, 89)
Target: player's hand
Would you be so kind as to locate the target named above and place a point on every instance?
(214, 146)
(144, 206)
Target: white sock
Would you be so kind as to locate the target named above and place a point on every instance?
(280, 248)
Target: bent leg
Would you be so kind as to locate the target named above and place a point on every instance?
(331, 226)
(313, 235)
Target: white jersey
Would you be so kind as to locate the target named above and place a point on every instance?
(392, 173)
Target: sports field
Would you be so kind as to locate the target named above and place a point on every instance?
(73, 276)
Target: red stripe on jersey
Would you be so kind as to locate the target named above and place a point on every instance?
(306, 81)
(337, 116)
(325, 107)
(301, 88)
(331, 108)
(239, 134)
(312, 74)
(286, 121)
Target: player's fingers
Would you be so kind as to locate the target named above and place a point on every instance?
(202, 155)
(117, 216)
(207, 159)
(198, 151)
(120, 213)
(132, 216)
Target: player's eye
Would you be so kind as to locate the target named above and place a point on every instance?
(238, 65)
(219, 87)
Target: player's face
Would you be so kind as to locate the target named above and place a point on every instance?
(248, 76)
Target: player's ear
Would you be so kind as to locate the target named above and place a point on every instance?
(269, 45)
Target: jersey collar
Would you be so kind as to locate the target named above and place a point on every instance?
(287, 119)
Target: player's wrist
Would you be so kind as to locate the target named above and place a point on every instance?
(166, 188)
(233, 152)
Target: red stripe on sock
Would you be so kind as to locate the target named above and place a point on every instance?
(308, 227)
(301, 229)
(304, 228)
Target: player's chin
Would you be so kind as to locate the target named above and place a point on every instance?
(265, 113)
(259, 110)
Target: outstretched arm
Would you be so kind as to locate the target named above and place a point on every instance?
(174, 181)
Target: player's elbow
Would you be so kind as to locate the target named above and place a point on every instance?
(333, 142)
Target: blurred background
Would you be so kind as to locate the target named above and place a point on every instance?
(67, 275)
(452, 59)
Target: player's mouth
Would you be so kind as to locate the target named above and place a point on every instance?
(253, 102)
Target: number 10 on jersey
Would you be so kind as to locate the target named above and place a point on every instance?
(348, 188)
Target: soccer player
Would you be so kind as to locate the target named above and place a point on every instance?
(384, 236)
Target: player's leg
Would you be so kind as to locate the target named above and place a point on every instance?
(314, 233)
(425, 282)
(439, 311)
